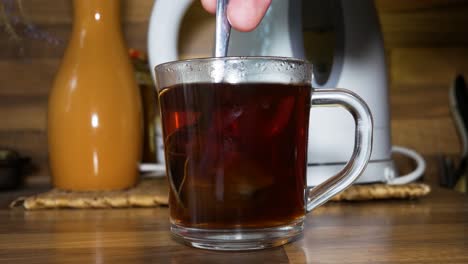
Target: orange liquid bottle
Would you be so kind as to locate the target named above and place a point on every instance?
(94, 115)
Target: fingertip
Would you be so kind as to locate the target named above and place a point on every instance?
(209, 5)
(240, 24)
(246, 15)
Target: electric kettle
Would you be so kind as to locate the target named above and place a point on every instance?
(353, 58)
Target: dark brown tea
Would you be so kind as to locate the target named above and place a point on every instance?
(236, 153)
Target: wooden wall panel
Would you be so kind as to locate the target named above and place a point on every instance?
(23, 113)
(31, 143)
(426, 42)
(399, 6)
(428, 66)
(61, 12)
(407, 102)
(433, 136)
(135, 36)
(424, 23)
(27, 77)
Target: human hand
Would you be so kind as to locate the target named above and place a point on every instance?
(243, 15)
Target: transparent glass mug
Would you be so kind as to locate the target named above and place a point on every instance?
(235, 137)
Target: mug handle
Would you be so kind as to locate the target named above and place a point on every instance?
(323, 192)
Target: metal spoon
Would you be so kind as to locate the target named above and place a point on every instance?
(223, 29)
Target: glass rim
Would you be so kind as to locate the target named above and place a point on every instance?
(232, 58)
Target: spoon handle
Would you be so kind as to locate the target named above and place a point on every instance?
(223, 29)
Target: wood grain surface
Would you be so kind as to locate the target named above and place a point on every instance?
(426, 44)
(431, 230)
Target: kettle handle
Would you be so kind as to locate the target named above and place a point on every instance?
(163, 31)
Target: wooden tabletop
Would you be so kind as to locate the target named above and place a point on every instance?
(430, 230)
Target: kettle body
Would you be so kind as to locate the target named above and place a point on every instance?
(357, 63)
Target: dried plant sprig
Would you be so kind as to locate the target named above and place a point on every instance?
(7, 25)
(24, 18)
(19, 27)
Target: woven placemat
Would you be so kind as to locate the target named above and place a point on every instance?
(154, 193)
(380, 191)
(148, 193)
